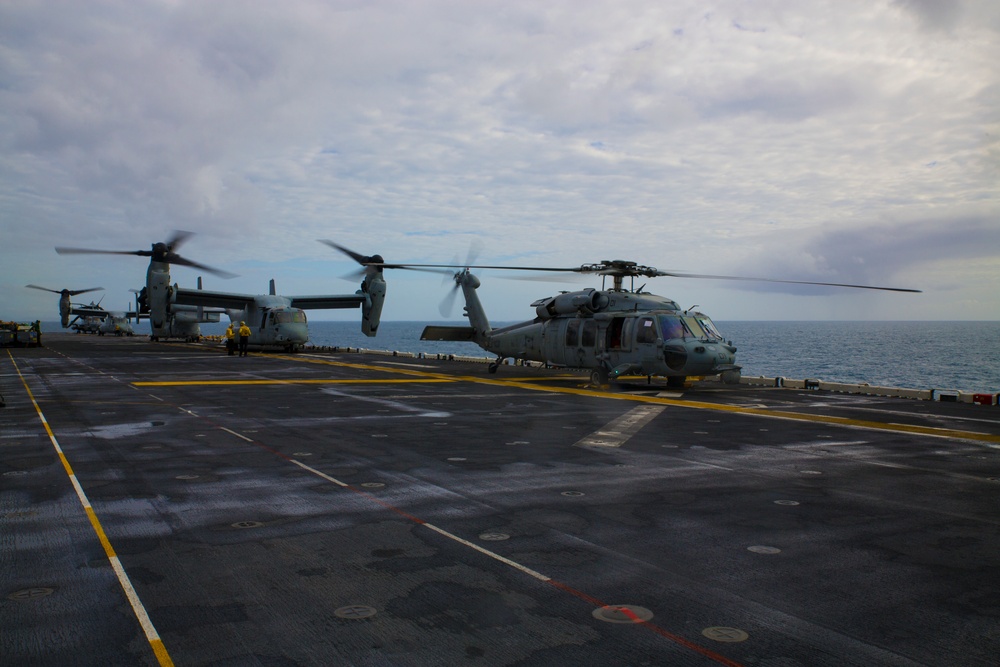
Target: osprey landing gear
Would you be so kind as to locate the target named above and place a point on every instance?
(494, 365)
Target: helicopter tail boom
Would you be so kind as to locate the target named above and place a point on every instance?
(449, 333)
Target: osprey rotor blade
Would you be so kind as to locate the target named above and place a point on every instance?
(174, 258)
(89, 251)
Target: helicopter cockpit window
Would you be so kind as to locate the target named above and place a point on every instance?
(672, 327)
(709, 327)
(645, 331)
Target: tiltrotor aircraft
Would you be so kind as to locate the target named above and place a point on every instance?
(166, 320)
(280, 321)
(65, 307)
(611, 332)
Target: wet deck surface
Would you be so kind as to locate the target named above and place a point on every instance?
(362, 510)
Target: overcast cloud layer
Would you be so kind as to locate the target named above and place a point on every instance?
(838, 141)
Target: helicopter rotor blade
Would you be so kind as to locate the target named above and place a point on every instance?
(788, 282)
(447, 305)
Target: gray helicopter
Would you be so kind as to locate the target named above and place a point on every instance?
(280, 321)
(65, 307)
(88, 319)
(612, 332)
(165, 319)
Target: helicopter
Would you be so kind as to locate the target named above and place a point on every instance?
(280, 321)
(165, 320)
(611, 332)
(89, 318)
(65, 307)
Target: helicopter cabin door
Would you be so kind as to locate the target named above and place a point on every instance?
(581, 343)
(618, 339)
(646, 336)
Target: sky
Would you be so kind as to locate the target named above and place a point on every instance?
(841, 141)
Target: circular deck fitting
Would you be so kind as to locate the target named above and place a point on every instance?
(758, 549)
(622, 613)
(701, 432)
(199, 435)
(518, 442)
(28, 594)
(186, 477)
(379, 435)
(152, 447)
(301, 453)
(789, 503)
(372, 485)
(723, 634)
(15, 473)
(810, 472)
(494, 537)
(458, 458)
(573, 493)
(355, 611)
(247, 524)
(440, 423)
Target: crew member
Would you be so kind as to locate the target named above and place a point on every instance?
(244, 338)
(230, 339)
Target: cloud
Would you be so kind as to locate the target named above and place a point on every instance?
(568, 132)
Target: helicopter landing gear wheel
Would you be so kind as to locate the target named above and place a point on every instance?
(676, 381)
(492, 368)
(599, 376)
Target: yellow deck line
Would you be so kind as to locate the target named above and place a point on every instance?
(197, 383)
(532, 385)
(152, 636)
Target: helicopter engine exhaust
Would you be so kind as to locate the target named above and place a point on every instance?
(588, 301)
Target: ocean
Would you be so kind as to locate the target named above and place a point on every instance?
(920, 355)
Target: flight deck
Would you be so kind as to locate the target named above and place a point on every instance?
(165, 503)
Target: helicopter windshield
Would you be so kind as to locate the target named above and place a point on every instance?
(709, 327)
(702, 327)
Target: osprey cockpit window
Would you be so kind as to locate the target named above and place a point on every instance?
(290, 316)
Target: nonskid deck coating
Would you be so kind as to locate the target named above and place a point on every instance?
(353, 510)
